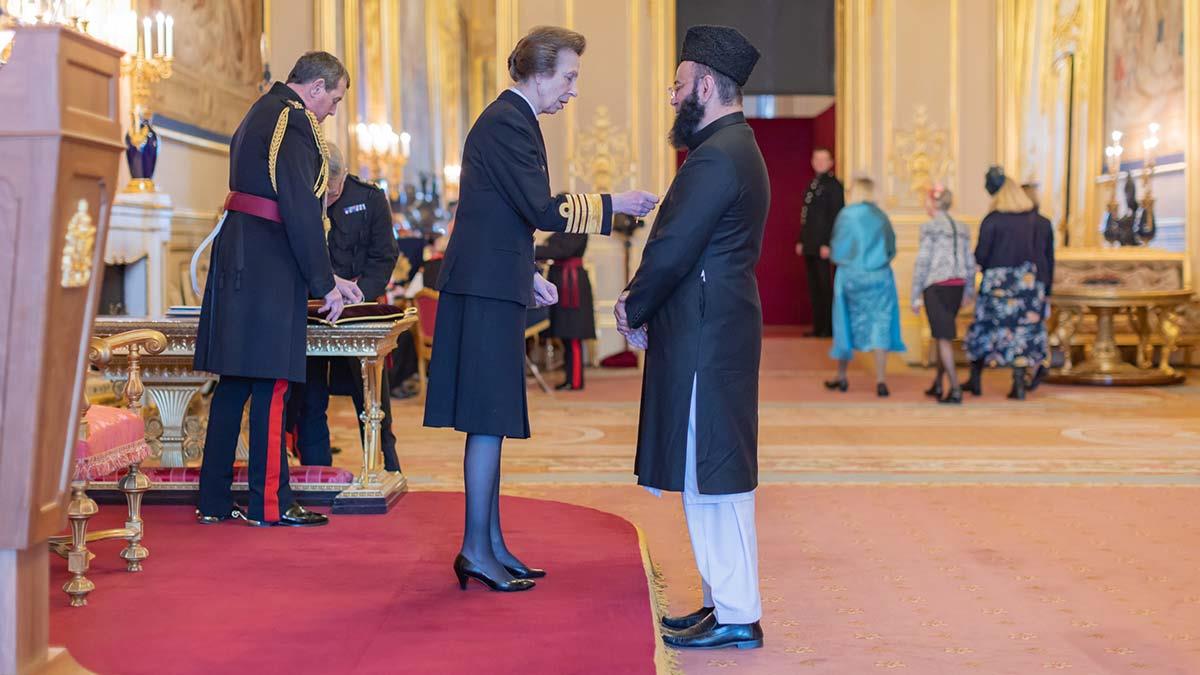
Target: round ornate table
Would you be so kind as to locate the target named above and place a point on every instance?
(1147, 312)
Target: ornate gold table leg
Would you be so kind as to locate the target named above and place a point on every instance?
(1139, 320)
(1168, 325)
(166, 435)
(373, 485)
(1064, 334)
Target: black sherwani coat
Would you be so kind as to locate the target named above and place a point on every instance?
(696, 293)
(254, 316)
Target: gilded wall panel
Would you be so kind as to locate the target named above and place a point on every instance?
(218, 62)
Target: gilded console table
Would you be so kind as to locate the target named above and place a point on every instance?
(1146, 311)
(172, 384)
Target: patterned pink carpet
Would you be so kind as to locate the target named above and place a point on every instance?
(1058, 534)
(951, 579)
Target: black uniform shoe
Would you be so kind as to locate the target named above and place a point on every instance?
(708, 634)
(295, 516)
(234, 514)
(687, 620)
(567, 386)
(335, 450)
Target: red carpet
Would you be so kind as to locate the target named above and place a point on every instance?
(367, 594)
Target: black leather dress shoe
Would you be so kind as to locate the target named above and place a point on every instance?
(708, 634)
(523, 572)
(687, 620)
(295, 516)
(234, 514)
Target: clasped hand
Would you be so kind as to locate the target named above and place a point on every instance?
(639, 338)
(544, 292)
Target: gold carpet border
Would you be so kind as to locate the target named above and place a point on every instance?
(665, 662)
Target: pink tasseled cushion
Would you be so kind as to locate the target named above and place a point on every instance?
(116, 438)
(300, 475)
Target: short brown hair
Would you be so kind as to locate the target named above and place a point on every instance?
(319, 66)
(537, 52)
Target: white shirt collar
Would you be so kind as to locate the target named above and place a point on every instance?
(520, 93)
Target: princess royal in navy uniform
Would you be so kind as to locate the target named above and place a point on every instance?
(488, 279)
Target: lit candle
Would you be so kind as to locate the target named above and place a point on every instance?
(162, 34)
(405, 143)
(146, 36)
(170, 37)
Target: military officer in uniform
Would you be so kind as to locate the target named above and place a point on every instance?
(362, 249)
(268, 257)
(822, 202)
(694, 303)
(573, 317)
(488, 279)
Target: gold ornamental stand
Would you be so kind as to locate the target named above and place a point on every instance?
(171, 383)
(1147, 311)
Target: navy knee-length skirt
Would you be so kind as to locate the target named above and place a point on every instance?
(477, 372)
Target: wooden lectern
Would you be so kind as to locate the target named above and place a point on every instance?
(60, 144)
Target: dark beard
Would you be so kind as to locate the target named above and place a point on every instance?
(687, 120)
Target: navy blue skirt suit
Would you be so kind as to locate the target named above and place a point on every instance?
(477, 373)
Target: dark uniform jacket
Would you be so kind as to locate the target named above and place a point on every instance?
(574, 316)
(362, 243)
(824, 199)
(504, 196)
(697, 295)
(254, 317)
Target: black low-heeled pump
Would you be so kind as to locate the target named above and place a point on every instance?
(935, 391)
(881, 390)
(465, 569)
(837, 385)
(523, 572)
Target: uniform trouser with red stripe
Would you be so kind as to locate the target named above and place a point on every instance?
(268, 474)
(573, 362)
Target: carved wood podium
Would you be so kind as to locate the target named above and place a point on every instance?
(59, 150)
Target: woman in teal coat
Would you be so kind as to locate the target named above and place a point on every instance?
(866, 313)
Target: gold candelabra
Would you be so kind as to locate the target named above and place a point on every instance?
(384, 153)
(1150, 145)
(1113, 153)
(148, 63)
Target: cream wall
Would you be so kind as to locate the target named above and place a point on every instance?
(917, 103)
(629, 62)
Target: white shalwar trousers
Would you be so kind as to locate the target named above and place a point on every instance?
(724, 541)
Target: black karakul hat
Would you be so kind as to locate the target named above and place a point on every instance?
(722, 48)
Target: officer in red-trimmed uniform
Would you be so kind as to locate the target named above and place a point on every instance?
(269, 255)
(573, 319)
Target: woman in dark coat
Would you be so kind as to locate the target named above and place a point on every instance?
(488, 278)
(1016, 254)
(573, 319)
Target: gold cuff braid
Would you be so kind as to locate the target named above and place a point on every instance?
(584, 213)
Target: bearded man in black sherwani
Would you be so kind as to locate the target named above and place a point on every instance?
(694, 305)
